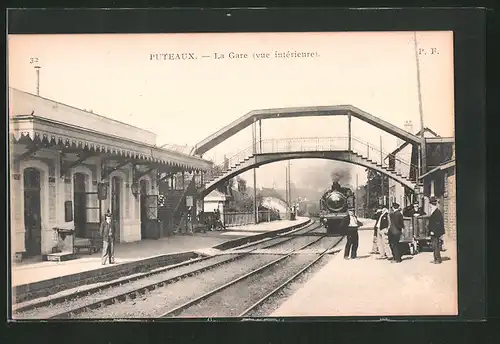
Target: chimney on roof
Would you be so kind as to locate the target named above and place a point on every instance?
(408, 126)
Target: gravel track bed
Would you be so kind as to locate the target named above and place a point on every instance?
(277, 240)
(274, 302)
(325, 243)
(233, 300)
(294, 244)
(266, 244)
(52, 310)
(155, 303)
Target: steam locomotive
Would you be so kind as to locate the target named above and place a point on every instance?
(333, 207)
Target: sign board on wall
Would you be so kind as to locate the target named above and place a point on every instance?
(189, 201)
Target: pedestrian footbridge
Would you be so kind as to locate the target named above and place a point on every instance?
(347, 149)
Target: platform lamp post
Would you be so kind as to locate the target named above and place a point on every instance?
(102, 194)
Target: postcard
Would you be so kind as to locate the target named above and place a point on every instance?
(220, 175)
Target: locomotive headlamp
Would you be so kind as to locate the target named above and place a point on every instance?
(335, 201)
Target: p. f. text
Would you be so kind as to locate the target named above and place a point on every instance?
(172, 56)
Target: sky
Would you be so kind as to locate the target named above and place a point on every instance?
(184, 101)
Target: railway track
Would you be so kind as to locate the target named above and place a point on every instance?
(132, 287)
(262, 284)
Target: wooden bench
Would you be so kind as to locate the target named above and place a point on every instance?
(92, 241)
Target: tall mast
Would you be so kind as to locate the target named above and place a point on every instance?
(423, 163)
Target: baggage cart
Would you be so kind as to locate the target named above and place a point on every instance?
(421, 231)
(407, 239)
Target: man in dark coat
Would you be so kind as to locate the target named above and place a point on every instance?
(436, 229)
(350, 225)
(415, 210)
(395, 230)
(108, 239)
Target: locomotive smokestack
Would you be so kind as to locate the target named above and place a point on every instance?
(341, 175)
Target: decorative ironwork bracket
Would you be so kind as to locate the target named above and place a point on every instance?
(138, 175)
(106, 171)
(68, 167)
(32, 150)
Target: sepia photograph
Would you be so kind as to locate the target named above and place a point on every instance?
(232, 175)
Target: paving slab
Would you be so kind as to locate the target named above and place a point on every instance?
(371, 287)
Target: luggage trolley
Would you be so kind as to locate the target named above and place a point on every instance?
(408, 237)
(421, 232)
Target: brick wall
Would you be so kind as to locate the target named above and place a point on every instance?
(449, 205)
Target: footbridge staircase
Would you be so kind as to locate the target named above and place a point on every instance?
(347, 149)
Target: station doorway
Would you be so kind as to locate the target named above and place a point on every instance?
(79, 204)
(115, 205)
(144, 208)
(32, 212)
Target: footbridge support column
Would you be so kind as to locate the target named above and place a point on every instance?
(254, 144)
(349, 130)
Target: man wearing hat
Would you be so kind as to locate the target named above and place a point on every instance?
(395, 230)
(382, 225)
(436, 229)
(108, 239)
(416, 210)
(350, 224)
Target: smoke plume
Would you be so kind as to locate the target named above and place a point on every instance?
(318, 175)
(341, 174)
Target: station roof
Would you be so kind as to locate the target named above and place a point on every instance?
(444, 166)
(215, 195)
(53, 125)
(312, 111)
(405, 144)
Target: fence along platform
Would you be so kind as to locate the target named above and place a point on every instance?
(247, 218)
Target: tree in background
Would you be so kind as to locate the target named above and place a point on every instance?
(374, 190)
(241, 200)
(242, 185)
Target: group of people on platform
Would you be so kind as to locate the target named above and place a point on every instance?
(212, 221)
(388, 230)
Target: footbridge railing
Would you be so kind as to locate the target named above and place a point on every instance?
(368, 151)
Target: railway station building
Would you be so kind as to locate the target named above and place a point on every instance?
(398, 161)
(438, 181)
(70, 166)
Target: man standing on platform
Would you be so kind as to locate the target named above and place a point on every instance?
(395, 230)
(108, 239)
(383, 224)
(375, 249)
(436, 229)
(351, 224)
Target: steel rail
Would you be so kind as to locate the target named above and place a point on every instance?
(142, 290)
(87, 292)
(288, 281)
(190, 303)
(124, 280)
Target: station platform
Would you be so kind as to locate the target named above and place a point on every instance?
(249, 230)
(31, 275)
(370, 287)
